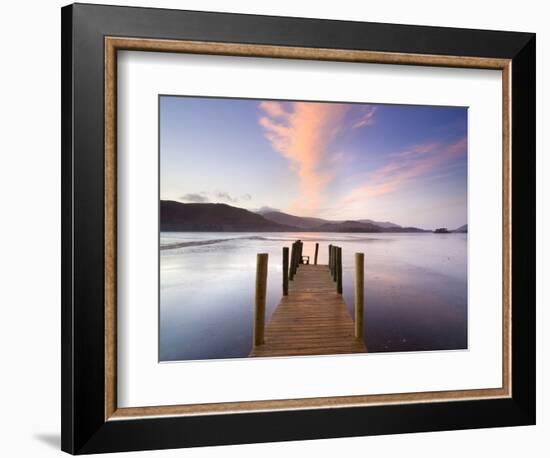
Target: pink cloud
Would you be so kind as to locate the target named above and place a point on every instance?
(273, 109)
(304, 135)
(404, 167)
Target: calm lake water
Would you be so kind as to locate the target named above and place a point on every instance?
(415, 289)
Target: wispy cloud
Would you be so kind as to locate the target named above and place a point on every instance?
(225, 196)
(304, 133)
(195, 198)
(366, 119)
(266, 209)
(405, 166)
(416, 151)
(273, 109)
(214, 196)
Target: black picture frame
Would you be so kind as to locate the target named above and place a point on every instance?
(84, 428)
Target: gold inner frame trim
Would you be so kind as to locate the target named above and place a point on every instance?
(114, 44)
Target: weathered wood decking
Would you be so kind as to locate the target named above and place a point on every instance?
(312, 320)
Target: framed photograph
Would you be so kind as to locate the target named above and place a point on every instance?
(281, 228)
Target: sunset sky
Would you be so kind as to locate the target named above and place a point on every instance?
(340, 161)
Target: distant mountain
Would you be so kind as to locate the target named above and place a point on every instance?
(177, 216)
(348, 226)
(400, 229)
(208, 217)
(358, 226)
(291, 220)
(463, 229)
(315, 224)
(384, 224)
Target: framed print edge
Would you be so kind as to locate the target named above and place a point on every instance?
(91, 421)
(67, 368)
(115, 44)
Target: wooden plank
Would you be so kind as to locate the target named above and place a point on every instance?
(312, 320)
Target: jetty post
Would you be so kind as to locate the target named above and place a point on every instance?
(359, 292)
(331, 262)
(292, 261)
(339, 270)
(261, 288)
(285, 271)
(297, 258)
(334, 262)
(330, 257)
(316, 253)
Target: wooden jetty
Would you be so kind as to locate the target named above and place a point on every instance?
(312, 317)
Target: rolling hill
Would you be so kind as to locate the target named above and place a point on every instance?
(348, 226)
(315, 224)
(384, 224)
(291, 220)
(216, 217)
(462, 229)
(177, 216)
